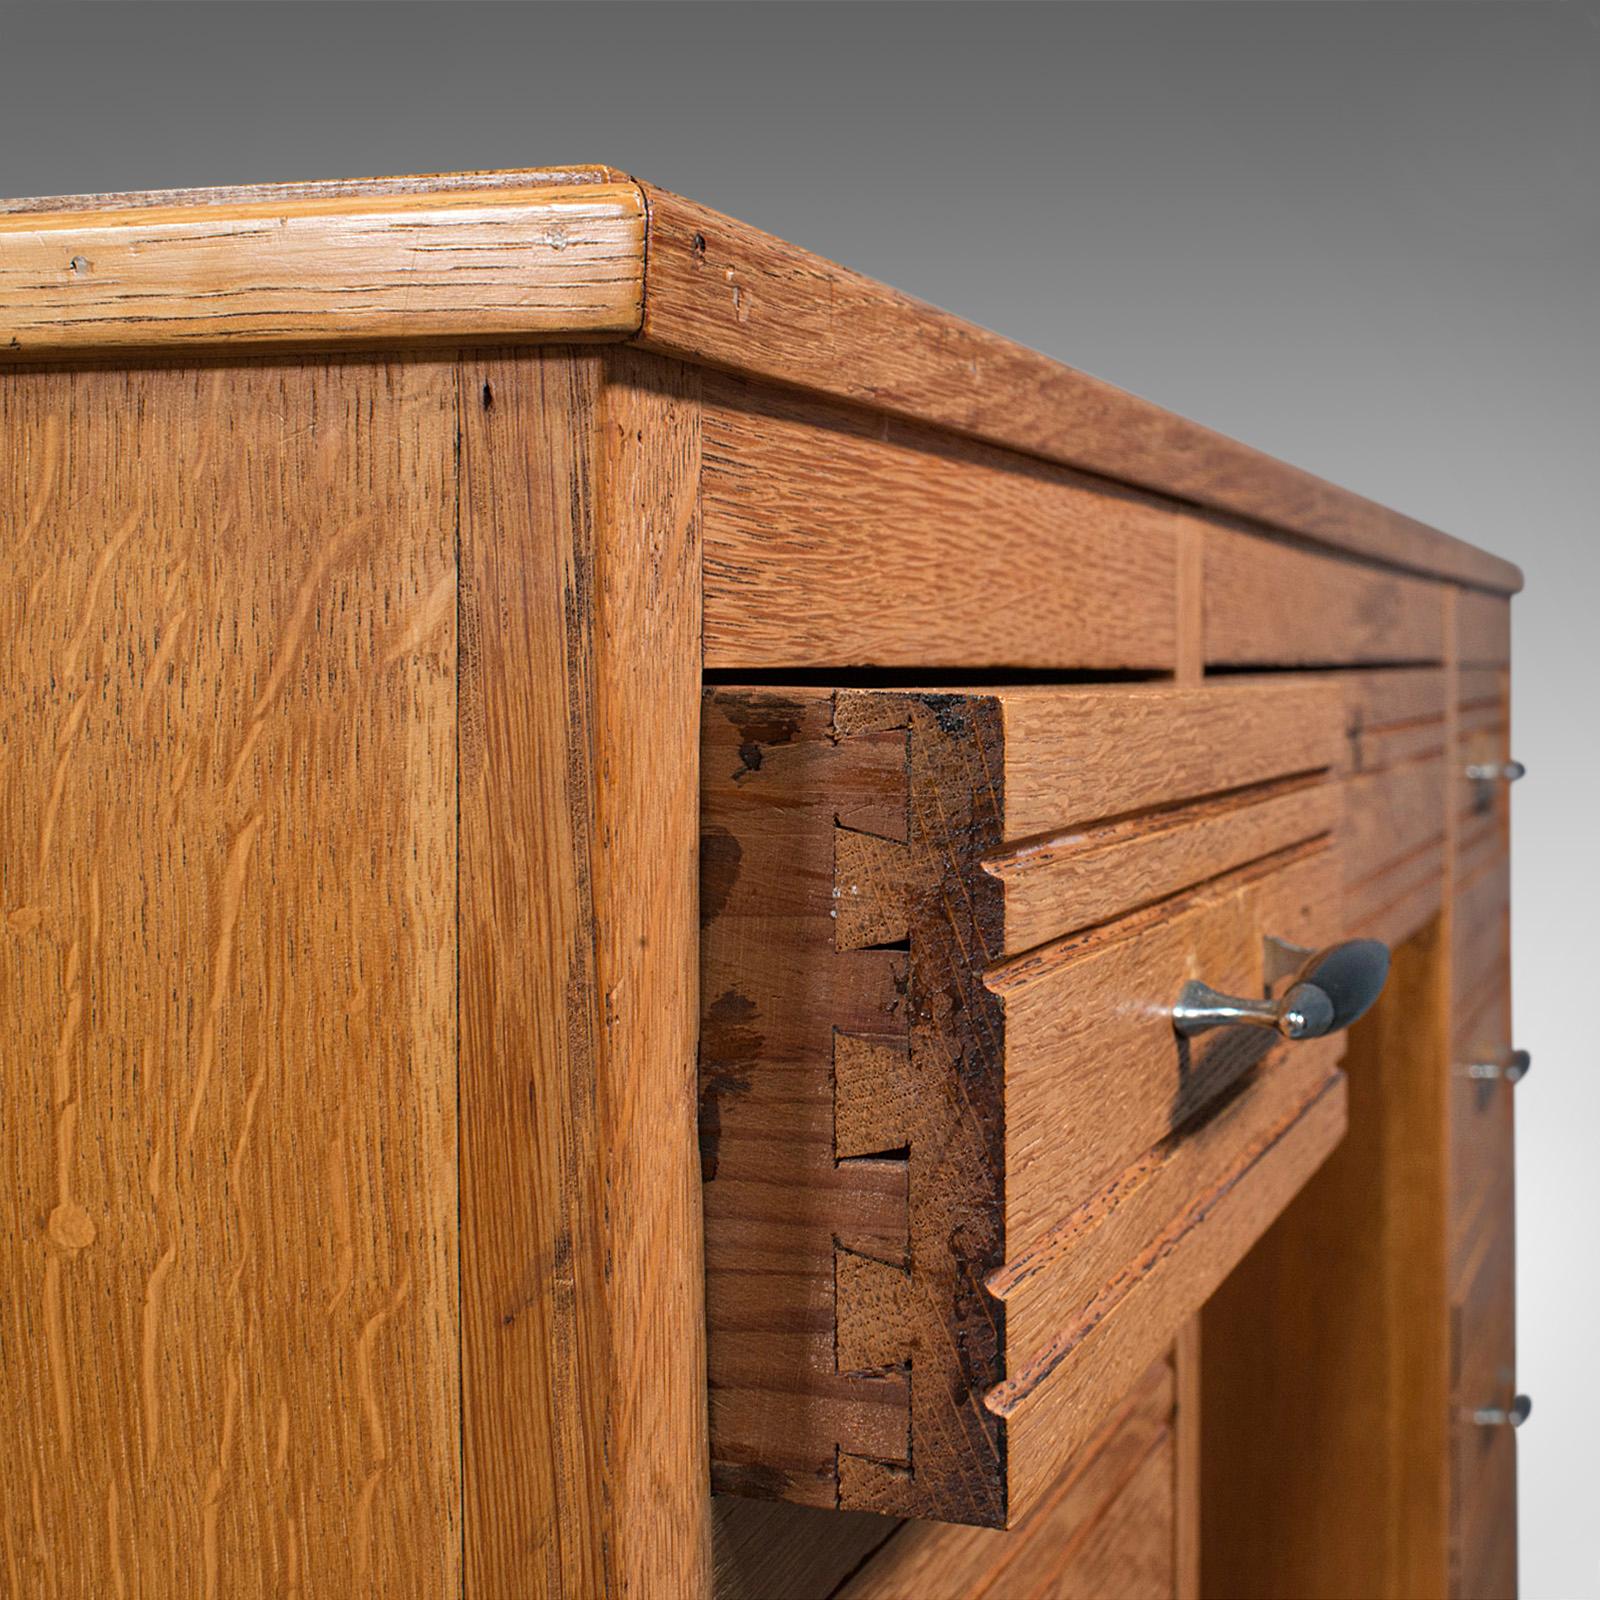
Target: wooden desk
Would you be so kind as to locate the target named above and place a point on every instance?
(592, 799)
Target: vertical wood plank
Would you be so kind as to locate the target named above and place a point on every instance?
(583, 1332)
(228, 1353)
(648, 892)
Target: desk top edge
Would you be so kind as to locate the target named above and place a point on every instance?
(716, 292)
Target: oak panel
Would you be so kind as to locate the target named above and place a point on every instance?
(1089, 755)
(834, 538)
(227, 869)
(583, 1440)
(1273, 604)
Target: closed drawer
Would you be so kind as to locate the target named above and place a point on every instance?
(1270, 603)
(963, 1181)
(834, 536)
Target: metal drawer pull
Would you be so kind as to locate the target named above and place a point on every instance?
(1499, 1417)
(1512, 1066)
(1496, 771)
(1329, 990)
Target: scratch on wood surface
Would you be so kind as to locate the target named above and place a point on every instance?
(91, 596)
(180, 776)
(222, 961)
(41, 494)
(58, 782)
(291, 1581)
(376, 1438)
(362, 1534)
(69, 1225)
(290, 643)
(364, 1385)
(257, 1080)
(170, 635)
(212, 1504)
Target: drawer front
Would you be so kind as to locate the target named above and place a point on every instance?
(1274, 604)
(836, 537)
(963, 1181)
(1395, 798)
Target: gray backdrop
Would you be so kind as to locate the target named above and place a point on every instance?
(1362, 236)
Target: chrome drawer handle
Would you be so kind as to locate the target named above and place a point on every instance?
(1499, 1417)
(1512, 1065)
(1329, 990)
(1496, 771)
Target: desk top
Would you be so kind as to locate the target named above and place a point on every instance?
(572, 254)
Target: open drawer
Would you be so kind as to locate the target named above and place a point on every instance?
(964, 1180)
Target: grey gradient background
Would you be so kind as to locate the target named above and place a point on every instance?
(1365, 237)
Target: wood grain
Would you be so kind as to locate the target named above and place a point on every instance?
(584, 1441)
(1273, 604)
(326, 270)
(1068, 881)
(724, 294)
(1093, 754)
(227, 834)
(835, 538)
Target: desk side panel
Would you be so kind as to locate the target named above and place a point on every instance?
(228, 1353)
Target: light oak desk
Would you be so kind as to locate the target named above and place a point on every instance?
(601, 825)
